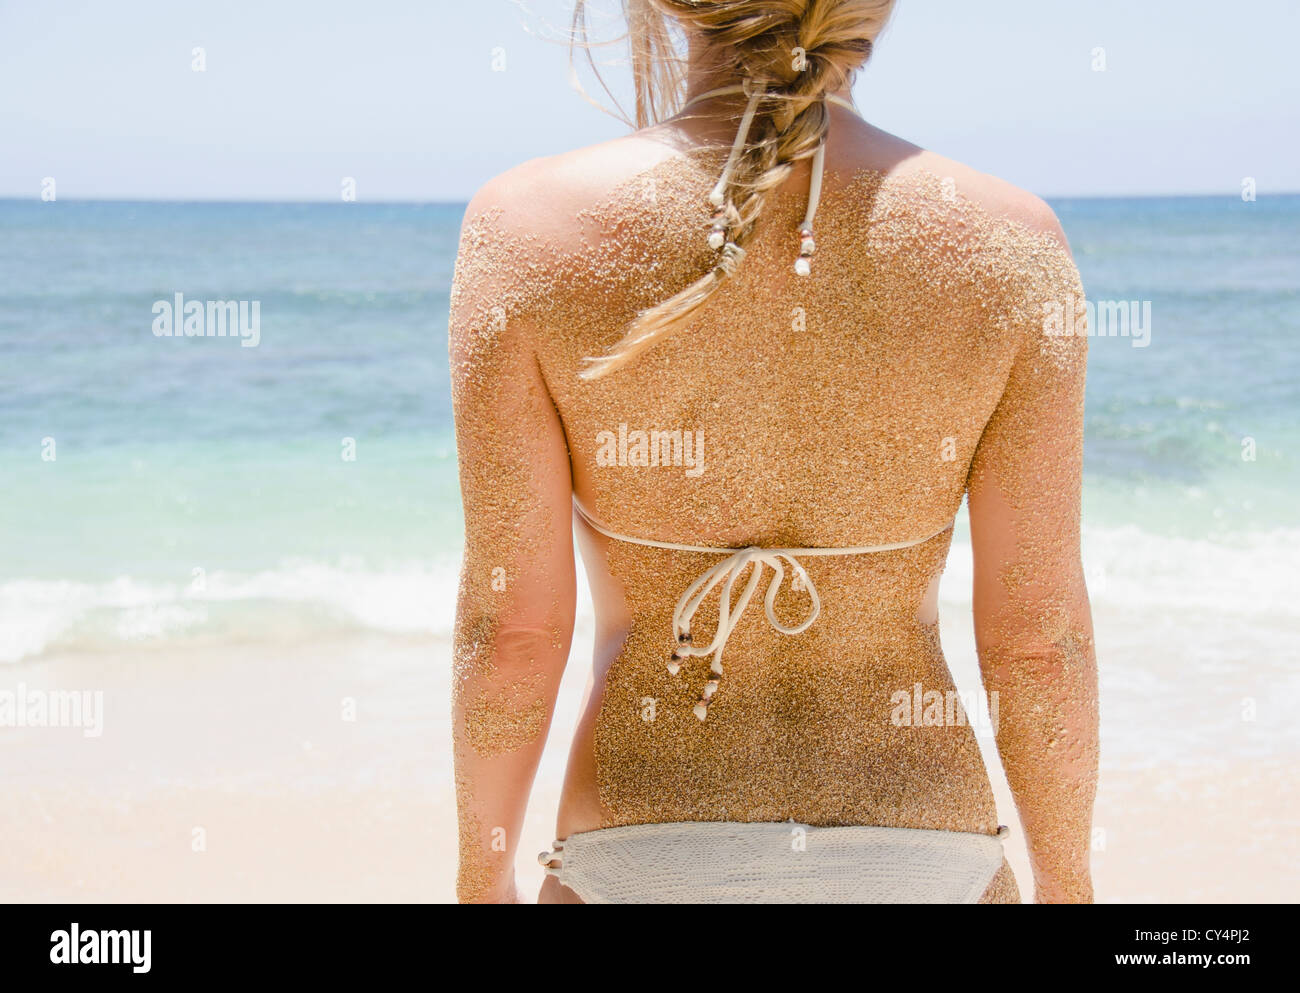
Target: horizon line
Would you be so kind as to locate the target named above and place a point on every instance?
(420, 202)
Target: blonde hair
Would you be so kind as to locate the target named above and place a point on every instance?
(795, 51)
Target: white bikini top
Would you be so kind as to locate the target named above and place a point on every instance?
(718, 233)
(727, 572)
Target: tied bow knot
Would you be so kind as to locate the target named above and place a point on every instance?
(726, 574)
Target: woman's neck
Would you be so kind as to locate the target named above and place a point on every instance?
(703, 74)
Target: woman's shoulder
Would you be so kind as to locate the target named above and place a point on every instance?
(977, 240)
(548, 196)
(550, 229)
(953, 193)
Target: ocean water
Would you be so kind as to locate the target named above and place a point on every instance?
(199, 490)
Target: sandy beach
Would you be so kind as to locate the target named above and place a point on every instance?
(231, 772)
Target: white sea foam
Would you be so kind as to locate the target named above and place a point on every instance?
(1191, 635)
(38, 616)
(1196, 642)
(1253, 574)
(1248, 584)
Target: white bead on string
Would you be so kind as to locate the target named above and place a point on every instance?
(718, 235)
(718, 240)
(803, 265)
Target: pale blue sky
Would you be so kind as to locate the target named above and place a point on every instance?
(402, 96)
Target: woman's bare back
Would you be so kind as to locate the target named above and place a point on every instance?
(854, 406)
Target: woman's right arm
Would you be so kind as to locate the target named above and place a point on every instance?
(1033, 625)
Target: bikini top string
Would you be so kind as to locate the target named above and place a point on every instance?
(723, 577)
(717, 197)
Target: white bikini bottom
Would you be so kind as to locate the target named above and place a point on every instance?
(781, 862)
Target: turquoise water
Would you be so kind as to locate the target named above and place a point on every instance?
(1166, 423)
(173, 451)
(199, 487)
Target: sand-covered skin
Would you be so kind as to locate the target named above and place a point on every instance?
(844, 409)
(511, 626)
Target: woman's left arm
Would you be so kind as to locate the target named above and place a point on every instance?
(514, 611)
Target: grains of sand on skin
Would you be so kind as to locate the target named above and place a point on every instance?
(830, 405)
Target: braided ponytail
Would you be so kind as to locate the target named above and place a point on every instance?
(793, 51)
